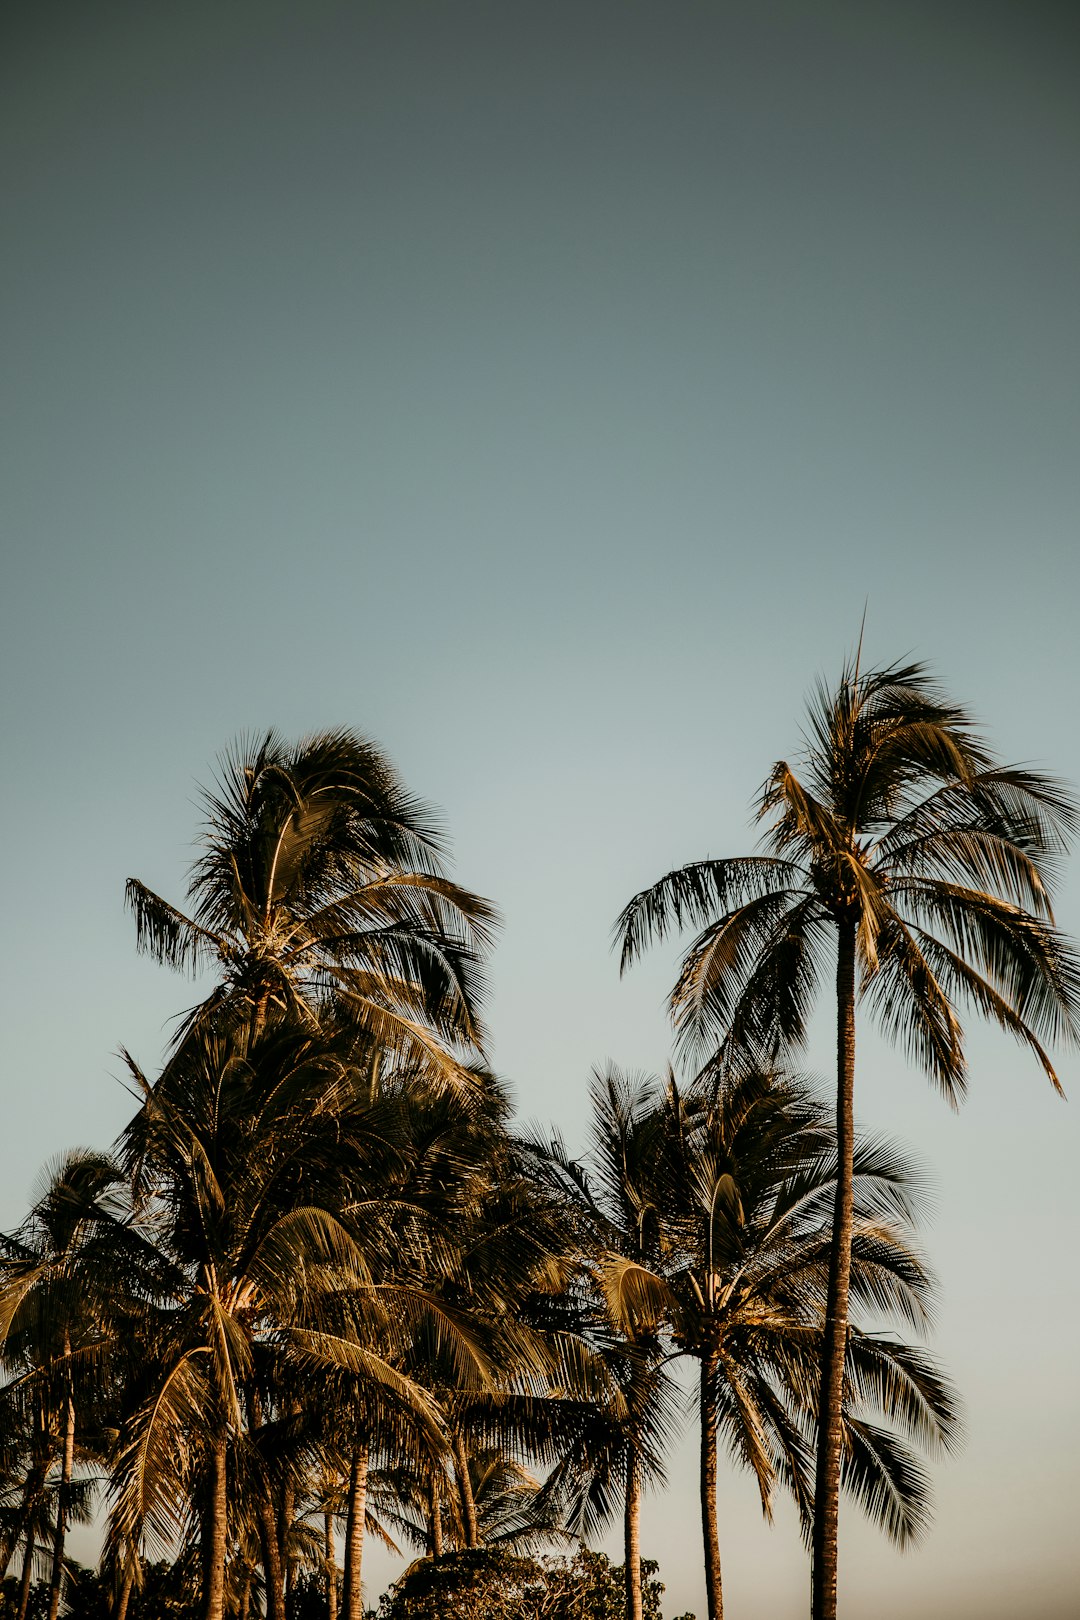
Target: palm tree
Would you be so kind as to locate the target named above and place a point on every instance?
(620, 1188)
(743, 1251)
(237, 1159)
(321, 881)
(926, 866)
(61, 1284)
(748, 1239)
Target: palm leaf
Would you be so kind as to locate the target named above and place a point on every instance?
(691, 897)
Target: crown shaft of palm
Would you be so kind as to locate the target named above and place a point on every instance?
(904, 850)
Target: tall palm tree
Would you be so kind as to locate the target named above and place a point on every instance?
(321, 880)
(903, 851)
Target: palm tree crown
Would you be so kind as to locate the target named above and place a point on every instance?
(321, 881)
(904, 827)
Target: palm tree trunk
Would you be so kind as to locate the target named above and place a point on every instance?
(351, 1600)
(258, 1015)
(268, 1528)
(125, 1590)
(27, 1571)
(831, 1390)
(714, 1594)
(66, 1467)
(632, 1536)
(216, 1531)
(272, 1569)
(436, 1519)
(468, 1501)
(331, 1566)
(285, 1524)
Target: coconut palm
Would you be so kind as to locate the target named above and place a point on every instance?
(24, 1460)
(321, 881)
(620, 1188)
(925, 867)
(440, 1231)
(744, 1249)
(494, 1251)
(62, 1279)
(239, 1158)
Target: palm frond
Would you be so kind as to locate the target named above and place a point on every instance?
(887, 1481)
(165, 933)
(150, 1501)
(914, 1009)
(748, 982)
(691, 897)
(907, 1387)
(1031, 964)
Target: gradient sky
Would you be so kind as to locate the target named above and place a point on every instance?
(542, 389)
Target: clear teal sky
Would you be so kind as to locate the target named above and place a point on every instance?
(542, 388)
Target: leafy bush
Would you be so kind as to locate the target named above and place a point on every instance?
(491, 1585)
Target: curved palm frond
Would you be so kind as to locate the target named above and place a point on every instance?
(691, 897)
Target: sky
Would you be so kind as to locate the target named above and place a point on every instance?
(544, 390)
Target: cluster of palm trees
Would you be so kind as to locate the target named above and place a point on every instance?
(321, 1290)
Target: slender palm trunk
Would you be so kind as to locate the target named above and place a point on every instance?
(27, 1571)
(330, 1566)
(272, 1568)
(714, 1593)
(285, 1525)
(245, 1598)
(351, 1600)
(436, 1520)
(125, 1590)
(270, 1540)
(632, 1536)
(831, 1392)
(215, 1529)
(468, 1501)
(62, 1503)
(258, 1016)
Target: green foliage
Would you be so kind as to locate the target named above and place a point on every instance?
(498, 1586)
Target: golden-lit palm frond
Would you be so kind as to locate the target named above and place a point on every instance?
(154, 1463)
(637, 1299)
(323, 1352)
(804, 825)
